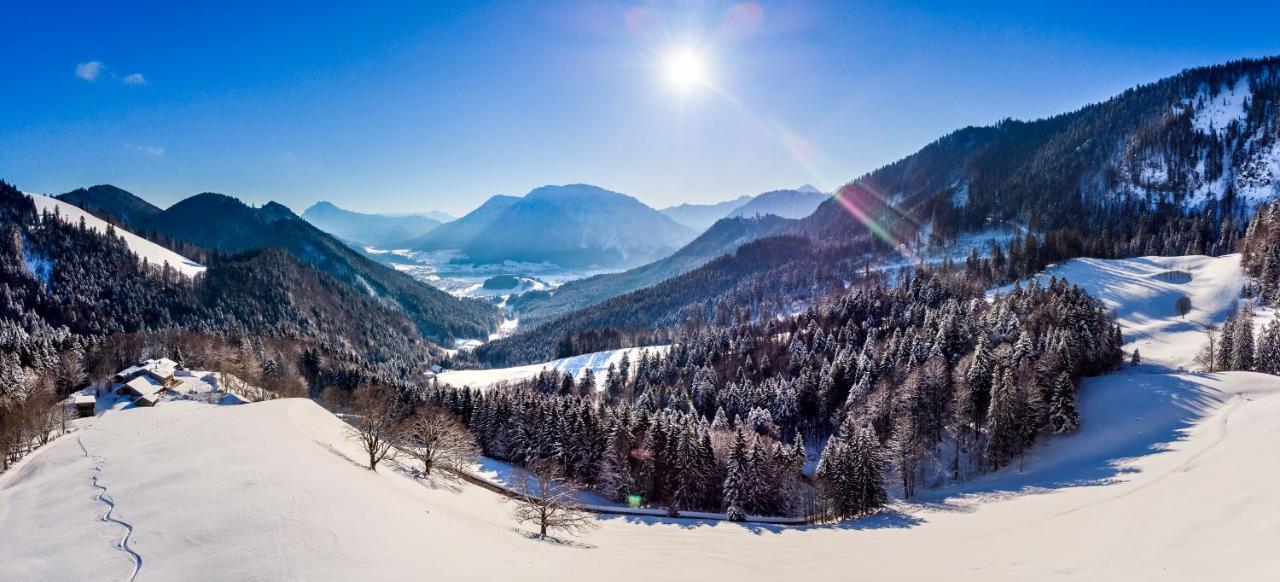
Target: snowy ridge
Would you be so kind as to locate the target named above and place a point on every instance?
(145, 249)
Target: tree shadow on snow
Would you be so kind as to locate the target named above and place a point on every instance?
(554, 540)
(1124, 416)
(885, 519)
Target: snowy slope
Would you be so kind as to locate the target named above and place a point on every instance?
(145, 249)
(1170, 477)
(271, 491)
(597, 362)
(1144, 293)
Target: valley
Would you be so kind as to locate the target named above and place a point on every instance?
(1151, 440)
(528, 291)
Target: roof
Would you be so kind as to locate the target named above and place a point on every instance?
(144, 386)
(84, 399)
(160, 367)
(147, 400)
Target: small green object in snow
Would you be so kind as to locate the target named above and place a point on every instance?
(633, 500)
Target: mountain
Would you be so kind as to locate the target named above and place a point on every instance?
(1166, 168)
(766, 276)
(105, 200)
(1204, 141)
(457, 233)
(797, 203)
(723, 237)
(575, 225)
(225, 224)
(70, 284)
(375, 230)
(153, 253)
(700, 217)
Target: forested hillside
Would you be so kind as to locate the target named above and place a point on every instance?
(1168, 168)
(216, 223)
(926, 380)
(764, 277)
(1206, 139)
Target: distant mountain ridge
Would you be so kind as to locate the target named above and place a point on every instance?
(223, 223)
(786, 203)
(797, 203)
(574, 225)
(723, 237)
(375, 230)
(700, 217)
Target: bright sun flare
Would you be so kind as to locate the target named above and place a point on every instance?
(686, 70)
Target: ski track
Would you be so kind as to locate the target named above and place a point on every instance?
(105, 499)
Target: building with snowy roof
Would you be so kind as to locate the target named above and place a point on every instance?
(85, 404)
(141, 386)
(162, 370)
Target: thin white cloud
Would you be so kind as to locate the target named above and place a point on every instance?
(89, 71)
(134, 79)
(146, 150)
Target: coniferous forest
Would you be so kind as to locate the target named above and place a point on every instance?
(926, 381)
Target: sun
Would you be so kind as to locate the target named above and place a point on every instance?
(685, 70)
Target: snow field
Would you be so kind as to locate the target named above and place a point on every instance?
(597, 362)
(1168, 478)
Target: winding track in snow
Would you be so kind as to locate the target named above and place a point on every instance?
(111, 507)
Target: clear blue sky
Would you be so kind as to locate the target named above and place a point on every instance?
(408, 106)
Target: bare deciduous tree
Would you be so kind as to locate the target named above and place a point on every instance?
(373, 423)
(544, 497)
(1207, 357)
(436, 438)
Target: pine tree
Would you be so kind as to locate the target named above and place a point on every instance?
(1064, 416)
(736, 487)
(850, 472)
(1003, 422)
(1242, 338)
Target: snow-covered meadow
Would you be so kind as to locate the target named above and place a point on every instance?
(1168, 478)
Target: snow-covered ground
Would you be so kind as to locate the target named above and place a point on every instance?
(1144, 293)
(597, 362)
(1170, 477)
(145, 249)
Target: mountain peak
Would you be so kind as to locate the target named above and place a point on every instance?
(809, 188)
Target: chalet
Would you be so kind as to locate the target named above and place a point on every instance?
(142, 386)
(162, 370)
(85, 404)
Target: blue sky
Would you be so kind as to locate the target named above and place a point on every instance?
(409, 106)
